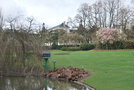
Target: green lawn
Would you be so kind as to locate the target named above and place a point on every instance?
(110, 70)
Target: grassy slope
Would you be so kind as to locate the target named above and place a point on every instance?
(111, 70)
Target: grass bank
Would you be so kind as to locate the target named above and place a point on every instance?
(110, 70)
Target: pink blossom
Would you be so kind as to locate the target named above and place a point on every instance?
(110, 35)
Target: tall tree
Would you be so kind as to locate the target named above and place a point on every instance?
(30, 21)
(1, 20)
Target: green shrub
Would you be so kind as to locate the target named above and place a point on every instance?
(54, 46)
(129, 44)
(115, 45)
(87, 46)
(64, 48)
(70, 48)
(59, 47)
(118, 45)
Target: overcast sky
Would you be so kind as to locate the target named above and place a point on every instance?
(52, 12)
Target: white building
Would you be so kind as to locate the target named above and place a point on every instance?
(62, 26)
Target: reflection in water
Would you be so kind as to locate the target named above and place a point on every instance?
(36, 83)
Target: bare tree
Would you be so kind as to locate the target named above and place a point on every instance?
(110, 13)
(72, 23)
(12, 22)
(19, 49)
(1, 20)
(83, 14)
(125, 17)
(71, 39)
(111, 10)
(30, 20)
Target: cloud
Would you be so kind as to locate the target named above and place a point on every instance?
(52, 12)
(10, 8)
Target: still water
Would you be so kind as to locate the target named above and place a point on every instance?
(36, 83)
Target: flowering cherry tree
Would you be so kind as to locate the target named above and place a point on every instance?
(109, 35)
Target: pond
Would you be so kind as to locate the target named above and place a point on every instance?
(37, 83)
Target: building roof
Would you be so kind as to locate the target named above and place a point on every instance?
(62, 25)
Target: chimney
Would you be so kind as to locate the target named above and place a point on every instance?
(64, 23)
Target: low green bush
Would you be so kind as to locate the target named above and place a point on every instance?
(70, 48)
(115, 45)
(54, 46)
(118, 45)
(87, 46)
(59, 47)
(129, 44)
